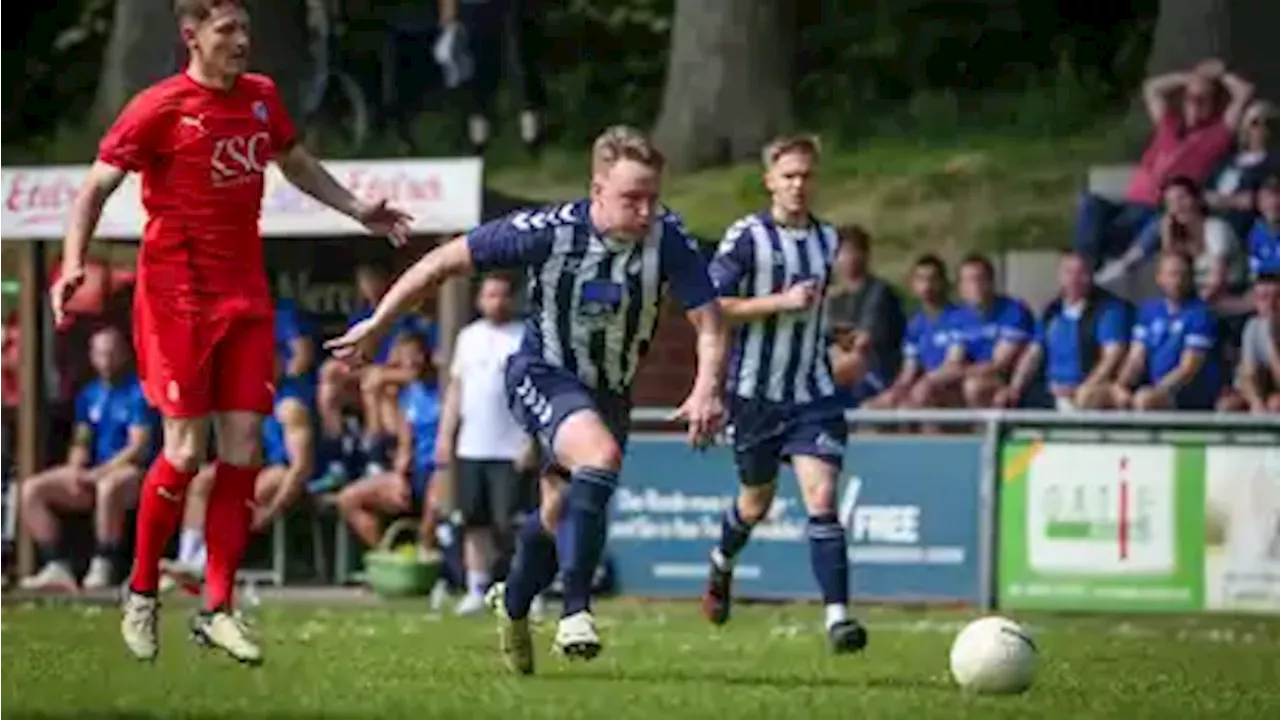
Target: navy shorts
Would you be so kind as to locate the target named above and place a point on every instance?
(419, 483)
(766, 434)
(542, 396)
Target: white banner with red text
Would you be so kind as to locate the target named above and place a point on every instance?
(442, 195)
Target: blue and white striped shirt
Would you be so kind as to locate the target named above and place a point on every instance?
(781, 358)
(593, 301)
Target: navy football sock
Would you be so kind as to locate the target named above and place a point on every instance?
(829, 555)
(581, 536)
(533, 568)
(734, 533)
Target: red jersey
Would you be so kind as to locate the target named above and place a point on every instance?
(202, 153)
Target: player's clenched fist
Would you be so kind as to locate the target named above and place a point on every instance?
(358, 343)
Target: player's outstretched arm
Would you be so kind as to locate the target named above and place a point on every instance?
(86, 211)
(307, 174)
(447, 260)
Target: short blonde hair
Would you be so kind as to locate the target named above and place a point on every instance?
(807, 144)
(622, 142)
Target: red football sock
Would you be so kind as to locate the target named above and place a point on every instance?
(227, 528)
(160, 506)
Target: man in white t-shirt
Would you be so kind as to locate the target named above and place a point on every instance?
(481, 439)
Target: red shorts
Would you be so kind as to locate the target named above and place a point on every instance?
(193, 367)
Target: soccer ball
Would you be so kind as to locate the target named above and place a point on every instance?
(993, 655)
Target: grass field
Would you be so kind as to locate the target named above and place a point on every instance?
(661, 661)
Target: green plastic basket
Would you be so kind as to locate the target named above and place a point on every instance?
(393, 574)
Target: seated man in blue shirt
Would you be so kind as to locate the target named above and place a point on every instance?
(110, 448)
(372, 388)
(1080, 342)
(1171, 358)
(405, 487)
(991, 331)
(925, 344)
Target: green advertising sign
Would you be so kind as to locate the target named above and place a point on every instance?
(1108, 527)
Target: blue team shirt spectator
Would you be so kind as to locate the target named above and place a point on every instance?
(593, 301)
(110, 410)
(1264, 248)
(291, 324)
(1007, 320)
(1070, 354)
(411, 322)
(928, 338)
(420, 404)
(1167, 333)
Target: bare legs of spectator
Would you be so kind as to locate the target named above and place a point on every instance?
(1095, 396)
(365, 502)
(928, 393)
(65, 489)
(1148, 398)
(479, 552)
(979, 389)
(1234, 402)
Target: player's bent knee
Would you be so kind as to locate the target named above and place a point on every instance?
(583, 441)
(1273, 403)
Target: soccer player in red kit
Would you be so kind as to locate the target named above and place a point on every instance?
(203, 326)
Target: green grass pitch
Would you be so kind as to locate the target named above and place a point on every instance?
(661, 661)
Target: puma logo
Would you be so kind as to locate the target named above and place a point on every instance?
(195, 121)
(169, 495)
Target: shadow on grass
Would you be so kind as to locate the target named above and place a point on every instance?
(698, 676)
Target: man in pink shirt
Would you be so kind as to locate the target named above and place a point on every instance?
(1189, 141)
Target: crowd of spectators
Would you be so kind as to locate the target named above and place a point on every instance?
(1203, 206)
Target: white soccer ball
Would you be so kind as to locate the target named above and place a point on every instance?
(993, 655)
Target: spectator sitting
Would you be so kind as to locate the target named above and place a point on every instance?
(1171, 357)
(1230, 192)
(1186, 227)
(991, 332)
(1257, 385)
(1080, 342)
(1189, 143)
(1264, 238)
(925, 343)
(865, 316)
(370, 388)
(405, 486)
(111, 446)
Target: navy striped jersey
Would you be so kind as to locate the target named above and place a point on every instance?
(781, 358)
(593, 301)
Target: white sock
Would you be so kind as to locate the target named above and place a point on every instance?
(477, 581)
(191, 547)
(836, 613)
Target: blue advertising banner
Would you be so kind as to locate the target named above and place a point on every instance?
(910, 506)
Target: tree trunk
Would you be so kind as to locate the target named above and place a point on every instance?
(280, 47)
(1238, 32)
(728, 87)
(141, 50)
